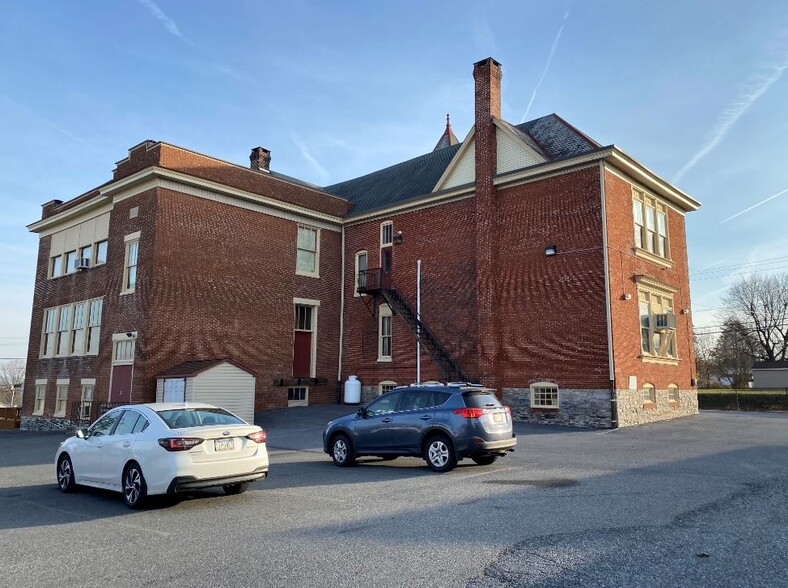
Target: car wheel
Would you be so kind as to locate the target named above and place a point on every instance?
(485, 459)
(65, 475)
(135, 491)
(342, 451)
(439, 454)
(232, 489)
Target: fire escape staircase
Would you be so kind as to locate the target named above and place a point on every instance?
(375, 283)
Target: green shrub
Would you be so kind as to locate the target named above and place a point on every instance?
(743, 400)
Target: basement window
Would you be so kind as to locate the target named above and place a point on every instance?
(544, 395)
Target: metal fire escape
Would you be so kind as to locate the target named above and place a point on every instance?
(375, 283)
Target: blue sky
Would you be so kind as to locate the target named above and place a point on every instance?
(696, 91)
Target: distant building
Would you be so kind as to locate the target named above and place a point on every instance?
(553, 269)
(770, 374)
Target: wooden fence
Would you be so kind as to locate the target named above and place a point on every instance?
(10, 418)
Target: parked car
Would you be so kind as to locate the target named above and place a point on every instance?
(146, 449)
(442, 424)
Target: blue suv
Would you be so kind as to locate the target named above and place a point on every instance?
(442, 424)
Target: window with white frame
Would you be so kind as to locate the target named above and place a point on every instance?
(94, 325)
(657, 324)
(544, 395)
(361, 266)
(386, 386)
(298, 396)
(61, 398)
(101, 253)
(386, 233)
(384, 333)
(673, 393)
(50, 318)
(56, 266)
(88, 385)
(78, 329)
(307, 251)
(86, 255)
(63, 330)
(130, 269)
(651, 224)
(122, 349)
(649, 394)
(41, 394)
(78, 242)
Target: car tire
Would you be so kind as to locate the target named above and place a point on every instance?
(233, 489)
(342, 451)
(65, 475)
(134, 488)
(439, 454)
(485, 460)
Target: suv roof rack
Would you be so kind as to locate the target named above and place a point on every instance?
(465, 385)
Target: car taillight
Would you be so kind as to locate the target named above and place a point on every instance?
(508, 409)
(257, 436)
(470, 413)
(179, 443)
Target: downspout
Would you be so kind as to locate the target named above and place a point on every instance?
(341, 319)
(611, 367)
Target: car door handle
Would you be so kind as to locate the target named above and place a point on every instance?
(425, 417)
(127, 444)
(386, 420)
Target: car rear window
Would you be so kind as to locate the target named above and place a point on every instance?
(179, 418)
(480, 399)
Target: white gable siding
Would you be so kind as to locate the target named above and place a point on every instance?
(188, 392)
(227, 386)
(513, 154)
(465, 170)
(770, 378)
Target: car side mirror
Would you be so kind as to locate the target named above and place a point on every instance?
(82, 433)
(362, 412)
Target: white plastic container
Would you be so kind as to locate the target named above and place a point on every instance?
(352, 390)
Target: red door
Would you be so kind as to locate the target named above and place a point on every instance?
(302, 354)
(120, 390)
(386, 266)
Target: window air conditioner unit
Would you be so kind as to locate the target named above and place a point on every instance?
(81, 264)
(664, 322)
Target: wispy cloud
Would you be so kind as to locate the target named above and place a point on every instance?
(546, 66)
(756, 87)
(748, 209)
(168, 23)
(43, 120)
(319, 169)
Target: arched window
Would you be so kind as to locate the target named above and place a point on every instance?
(386, 386)
(673, 393)
(649, 394)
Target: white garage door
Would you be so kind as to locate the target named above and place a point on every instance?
(227, 386)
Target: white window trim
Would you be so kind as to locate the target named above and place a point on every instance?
(652, 395)
(57, 310)
(390, 243)
(654, 288)
(391, 383)
(385, 311)
(678, 396)
(355, 279)
(551, 385)
(304, 402)
(59, 385)
(124, 337)
(316, 273)
(40, 384)
(645, 197)
(315, 304)
(127, 240)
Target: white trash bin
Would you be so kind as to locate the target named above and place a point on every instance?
(352, 390)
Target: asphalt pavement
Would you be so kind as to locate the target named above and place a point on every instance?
(699, 501)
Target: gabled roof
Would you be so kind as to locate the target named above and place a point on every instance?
(770, 365)
(549, 135)
(448, 138)
(190, 369)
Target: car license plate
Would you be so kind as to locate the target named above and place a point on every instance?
(223, 444)
(498, 417)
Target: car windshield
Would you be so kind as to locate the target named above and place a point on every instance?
(179, 418)
(481, 399)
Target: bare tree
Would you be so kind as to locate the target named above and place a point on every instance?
(704, 358)
(761, 304)
(733, 354)
(12, 377)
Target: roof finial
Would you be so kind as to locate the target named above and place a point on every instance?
(448, 124)
(447, 139)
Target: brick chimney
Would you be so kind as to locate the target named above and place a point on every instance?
(487, 84)
(260, 159)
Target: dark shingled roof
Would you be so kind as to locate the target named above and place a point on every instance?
(551, 135)
(192, 368)
(770, 365)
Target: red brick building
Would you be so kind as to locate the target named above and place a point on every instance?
(552, 268)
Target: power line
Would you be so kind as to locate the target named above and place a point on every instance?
(739, 265)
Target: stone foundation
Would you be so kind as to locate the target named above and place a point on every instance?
(633, 411)
(37, 423)
(369, 393)
(589, 408)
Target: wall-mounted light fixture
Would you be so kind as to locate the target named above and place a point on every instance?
(550, 250)
(685, 311)
(398, 238)
(626, 297)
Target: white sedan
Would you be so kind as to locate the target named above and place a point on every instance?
(145, 449)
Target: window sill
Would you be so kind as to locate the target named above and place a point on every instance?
(652, 257)
(307, 274)
(59, 415)
(128, 291)
(673, 403)
(384, 360)
(545, 408)
(660, 360)
(41, 413)
(649, 406)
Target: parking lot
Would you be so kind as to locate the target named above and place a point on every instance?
(697, 501)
